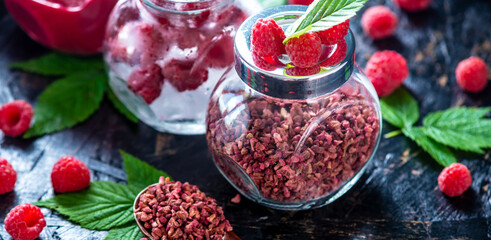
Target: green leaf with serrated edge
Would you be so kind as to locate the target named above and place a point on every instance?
(324, 14)
(436, 150)
(130, 232)
(67, 101)
(459, 139)
(102, 206)
(455, 115)
(120, 106)
(56, 64)
(140, 173)
(271, 3)
(400, 108)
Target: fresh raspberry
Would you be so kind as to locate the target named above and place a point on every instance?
(413, 5)
(184, 74)
(147, 82)
(304, 51)
(300, 2)
(454, 179)
(472, 74)
(15, 118)
(69, 174)
(8, 176)
(379, 22)
(263, 63)
(387, 70)
(25, 222)
(335, 34)
(338, 55)
(267, 38)
(297, 71)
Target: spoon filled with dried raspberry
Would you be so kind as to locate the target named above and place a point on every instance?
(174, 210)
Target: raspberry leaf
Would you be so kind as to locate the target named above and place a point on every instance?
(120, 106)
(140, 173)
(400, 109)
(129, 232)
(438, 151)
(56, 64)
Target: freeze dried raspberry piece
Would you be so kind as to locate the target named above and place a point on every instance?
(69, 174)
(147, 82)
(8, 177)
(25, 222)
(472, 74)
(184, 74)
(379, 22)
(387, 70)
(413, 5)
(338, 55)
(335, 34)
(267, 38)
(304, 51)
(297, 71)
(15, 118)
(454, 179)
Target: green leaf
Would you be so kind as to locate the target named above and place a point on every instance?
(436, 150)
(324, 14)
(60, 64)
(271, 3)
(102, 206)
(140, 173)
(400, 109)
(130, 232)
(67, 101)
(454, 116)
(120, 106)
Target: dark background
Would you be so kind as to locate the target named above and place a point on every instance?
(397, 198)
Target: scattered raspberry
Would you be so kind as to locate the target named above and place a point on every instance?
(184, 75)
(335, 34)
(337, 56)
(379, 22)
(25, 222)
(305, 50)
(263, 63)
(454, 179)
(297, 71)
(236, 199)
(15, 118)
(472, 74)
(267, 38)
(147, 82)
(387, 70)
(8, 177)
(69, 174)
(413, 5)
(300, 2)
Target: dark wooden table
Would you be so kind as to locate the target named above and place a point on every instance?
(397, 198)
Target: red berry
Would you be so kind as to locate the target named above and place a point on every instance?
(8, 177)
(15, 118)
(472, 74)
(184, 74)
(454, 179)
(379, 22)
(220, 53)
(304, 51)
(147, 82)
(387, 70)
(69, 174)
(25, 222)
(413, 5)
(263, 63)
(335, 34)
(297, 71)
(300, 2)
(338, 55)
(267, 38)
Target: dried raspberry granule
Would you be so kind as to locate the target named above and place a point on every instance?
(267, 38)
(15, 118)
(472, 74)
(184, 75)
(386, 70)
(304, 51)
(454, 179)
(147, 82)
(379, 22)
(25, 222)
(413, 5)
(335, 34)
(69, 174)
(8, 177)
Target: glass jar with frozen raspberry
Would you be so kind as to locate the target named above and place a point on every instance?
(165, 57)
(292, 137)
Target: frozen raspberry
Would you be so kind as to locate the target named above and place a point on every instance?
(386, 70)
(147, 82)
(25, 222)
(8, 176)
(304, 51)
(15, 118)
(220, 53)
(413, 5)
(184, 74)
(379, 22)
(297, 71)
(472, 74)
(338, 55)
(454, 179)
(69, 174)
(267, 38)
(196, 20)
(335, 34)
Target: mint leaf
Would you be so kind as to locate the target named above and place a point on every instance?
(438, 151)
(453, 116)
(130, 232)
(102, 206)
(56, 64)
(140, 173)
(67, 101)
(120, 107)
(400, 109)
(324, 14)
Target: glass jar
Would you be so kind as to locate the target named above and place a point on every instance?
(290, 142)
(165, 57)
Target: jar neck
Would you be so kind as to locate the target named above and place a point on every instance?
(276, 83)
(186, 7)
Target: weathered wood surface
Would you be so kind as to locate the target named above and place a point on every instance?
(397, 198)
